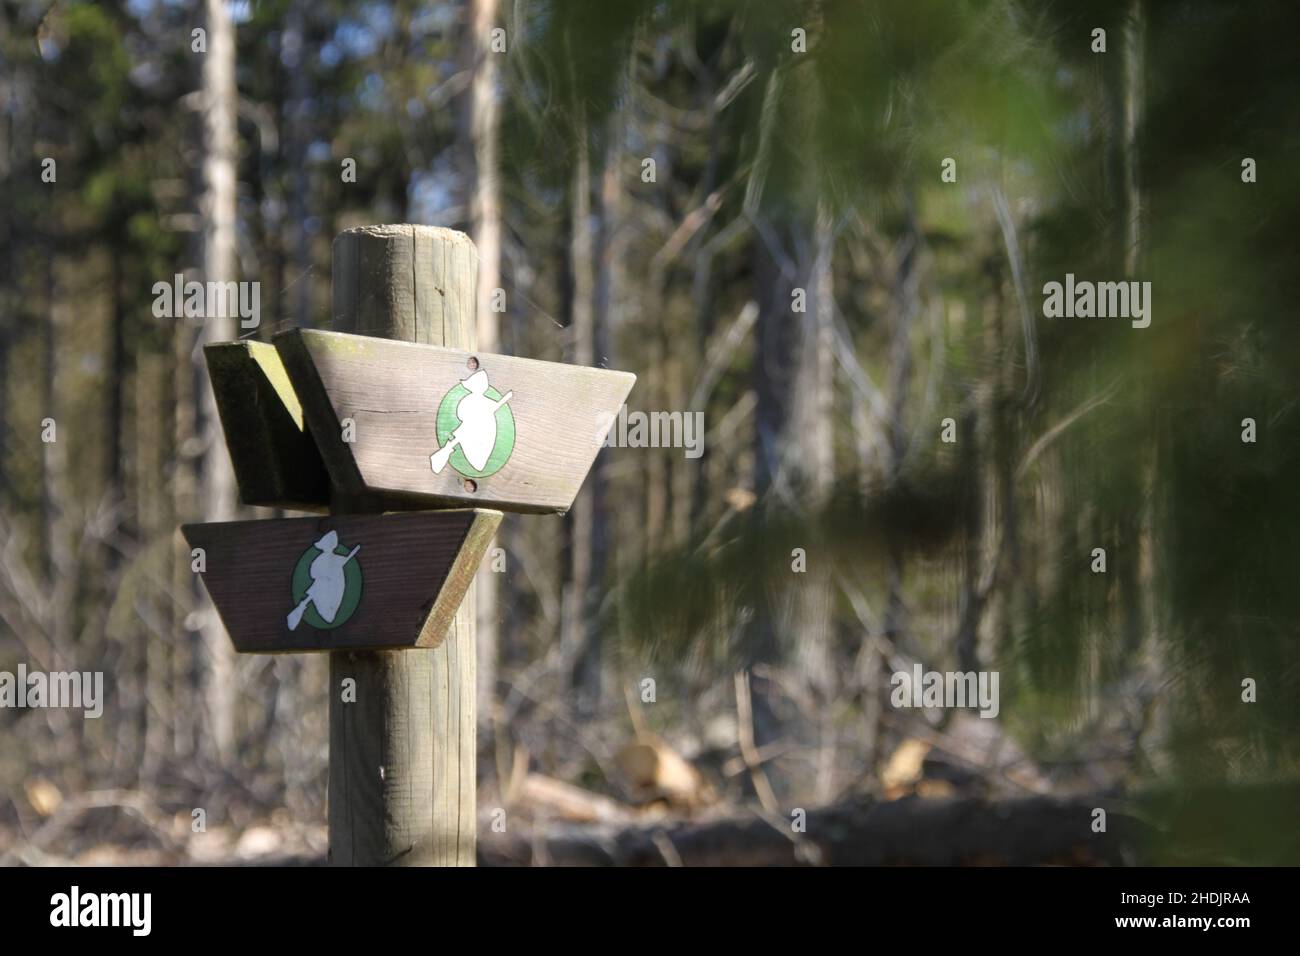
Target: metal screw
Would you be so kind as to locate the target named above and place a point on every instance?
(471, 485)
(472, 363)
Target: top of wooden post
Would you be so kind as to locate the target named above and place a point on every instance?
(406, 282)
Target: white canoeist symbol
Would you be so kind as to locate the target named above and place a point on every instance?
(328, 581)
(476, 436)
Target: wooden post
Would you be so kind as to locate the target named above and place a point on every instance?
(402, 756)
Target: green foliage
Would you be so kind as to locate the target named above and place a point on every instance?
(690, 604)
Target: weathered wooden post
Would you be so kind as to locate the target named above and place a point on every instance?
(399, 431)
(402, 757)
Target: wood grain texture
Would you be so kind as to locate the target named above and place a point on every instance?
(415, 570)
(404, 282)
(402, 758)
(275, 460)
(402, 788)
(392, 390)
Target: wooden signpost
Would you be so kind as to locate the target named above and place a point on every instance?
(375, 431)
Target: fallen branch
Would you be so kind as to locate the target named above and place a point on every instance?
(860, 832)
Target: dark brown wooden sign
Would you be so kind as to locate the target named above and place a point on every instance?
(406, 422)
(342, 582)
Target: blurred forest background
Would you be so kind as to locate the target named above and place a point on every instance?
(781, 161)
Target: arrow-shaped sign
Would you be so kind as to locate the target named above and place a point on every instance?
(410, 423)
(276, 461)
(342, 582)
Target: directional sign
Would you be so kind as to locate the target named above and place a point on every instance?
(342, 582)
(276, 462)
(408, 422)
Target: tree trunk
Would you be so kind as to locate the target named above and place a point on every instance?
(9, 281)
(485, 230)
(60, 570)
(298, 139)
(812, 441)
(774, 373)
(118, 383)
(580, 638)
(216, 482)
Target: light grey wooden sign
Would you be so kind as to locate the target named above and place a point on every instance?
(405, 422)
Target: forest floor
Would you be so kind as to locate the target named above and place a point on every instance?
(913, 829)
(125, 842)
